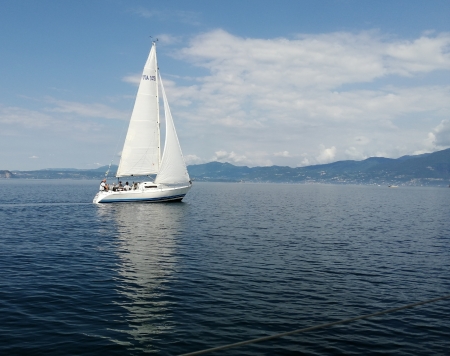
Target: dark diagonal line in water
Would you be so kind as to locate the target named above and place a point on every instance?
(13, 205)
(265, 338)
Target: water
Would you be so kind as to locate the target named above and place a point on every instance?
(233, 262)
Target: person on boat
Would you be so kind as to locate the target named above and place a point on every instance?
(126, 187)
(103, 185)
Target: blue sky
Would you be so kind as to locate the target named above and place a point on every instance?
(249, 82)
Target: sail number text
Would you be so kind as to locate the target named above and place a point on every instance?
(149, 77)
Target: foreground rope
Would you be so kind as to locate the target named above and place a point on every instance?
(265, 338)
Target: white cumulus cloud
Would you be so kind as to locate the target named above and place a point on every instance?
(282, 154)
(440, 137)
(326, 155)
(342, 89)
(193, 159)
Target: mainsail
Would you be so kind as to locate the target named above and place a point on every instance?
(173, 168)
(141, 151)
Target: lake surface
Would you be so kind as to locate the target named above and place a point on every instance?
(230, 263)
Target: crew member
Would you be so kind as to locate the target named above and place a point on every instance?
(103, 185)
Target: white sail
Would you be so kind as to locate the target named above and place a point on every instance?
(173, 168)
(141, 151)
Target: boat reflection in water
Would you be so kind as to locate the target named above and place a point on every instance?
(147, 252)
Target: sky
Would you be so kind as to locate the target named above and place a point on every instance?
(256, 83)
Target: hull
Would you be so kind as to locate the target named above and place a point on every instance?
(151, 195)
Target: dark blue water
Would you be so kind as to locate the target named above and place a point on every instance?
(233, 262)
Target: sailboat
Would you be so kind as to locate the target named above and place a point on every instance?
(141, 154)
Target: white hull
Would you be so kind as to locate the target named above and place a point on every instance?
(150, 195)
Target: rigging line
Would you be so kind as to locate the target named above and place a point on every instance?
(109, 167)
(265, 338)
(117, 145)
(119, 139)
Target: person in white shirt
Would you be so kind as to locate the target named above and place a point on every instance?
(126, 187)
(103, 185)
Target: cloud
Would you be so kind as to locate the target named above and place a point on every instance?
(55, 136)
(229, 157)
(186, 17)
(256, 158)
(133, 79)
(189, 17)
(88, 110)
(282, 154)
(76, 116)
(326, 155)
(323, 61)
(304, 162)
(424, 54)
(440, 137)
(143, 12)
(345, 90)
(65, 119)
(253, 101)
(193, 159)
(355, 154)
(167, 39)
(24, 117)
(361, 140)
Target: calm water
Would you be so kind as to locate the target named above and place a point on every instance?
(233, 262)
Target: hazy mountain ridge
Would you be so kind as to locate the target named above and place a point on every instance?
(64, 173)
(425, 169)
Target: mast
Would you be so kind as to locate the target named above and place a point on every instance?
(158, 122)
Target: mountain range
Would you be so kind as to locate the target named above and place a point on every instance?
(426, 169)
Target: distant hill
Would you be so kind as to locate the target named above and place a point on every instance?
(426, 169)
(65, 173)
(6, 174)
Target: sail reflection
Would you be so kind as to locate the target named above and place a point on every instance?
(147, 261)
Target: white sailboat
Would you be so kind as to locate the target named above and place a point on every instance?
(141, 154)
